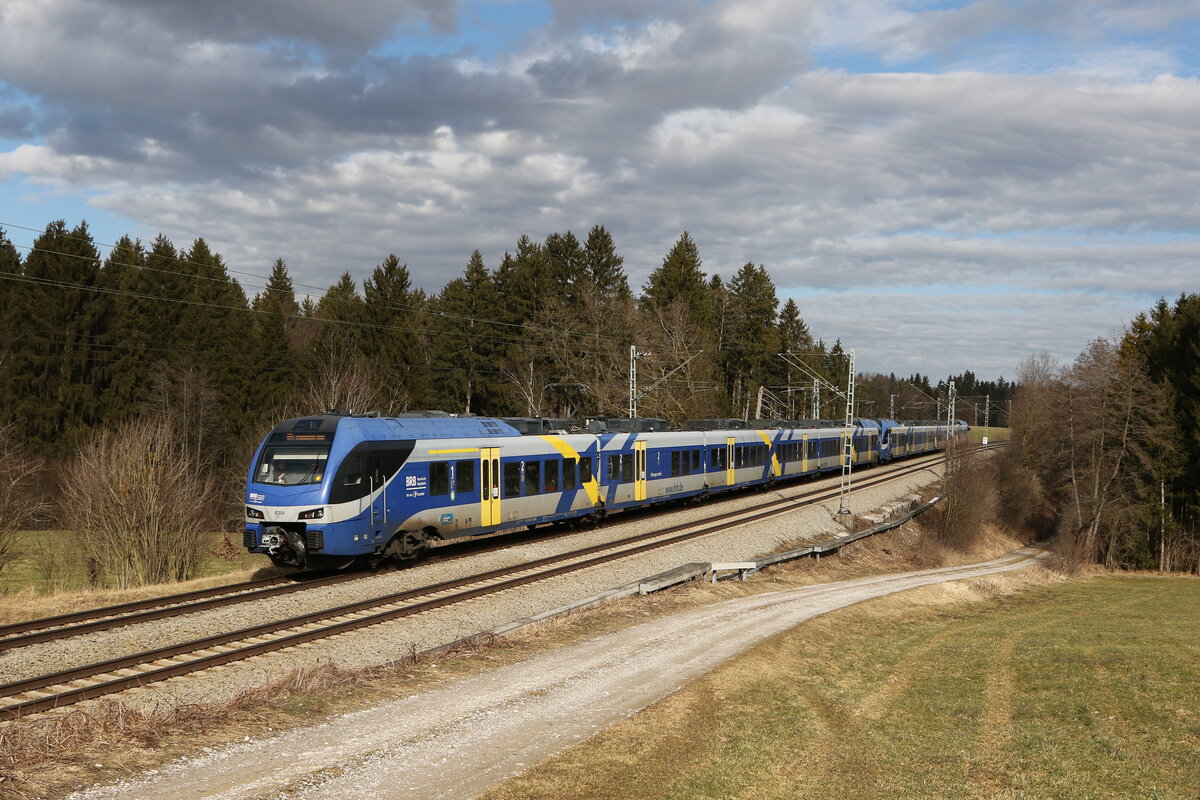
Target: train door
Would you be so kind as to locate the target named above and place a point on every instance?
(639, 471)
(804, 453)
(489, 486)
(377, 478)
(729, 477)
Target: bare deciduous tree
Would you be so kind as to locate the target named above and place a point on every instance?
(138, 499)
(19, 504)
(342, 378)
(970, 497)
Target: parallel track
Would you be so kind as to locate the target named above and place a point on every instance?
(94, 680)
(76, 623)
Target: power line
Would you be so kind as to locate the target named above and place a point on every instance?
(198, 303)
(524, 326)
(266, 279)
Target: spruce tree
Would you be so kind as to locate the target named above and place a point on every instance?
(128, 337)
(565, 267)
(679, 279)
(395, 344)
(275, 325)
(755, 343)
(463, 342)
(604, 269)
(213, 332)
(12, 298)
(58, 322)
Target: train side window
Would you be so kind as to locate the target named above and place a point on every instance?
(696, 461)
(512, 479)
(533, 471)
(585, 470)
(353, 469)
(464, 477)
(614, 469)
(439, 477)
(569, 466)
(627, 468)
(551, 474)
(675, 463)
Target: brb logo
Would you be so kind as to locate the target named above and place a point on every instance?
(411, 482)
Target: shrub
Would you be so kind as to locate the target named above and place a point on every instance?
(970, 498)
(138, 499)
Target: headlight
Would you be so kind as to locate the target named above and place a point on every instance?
(316, 513)
(254, 513)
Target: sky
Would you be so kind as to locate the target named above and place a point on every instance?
(940, 185)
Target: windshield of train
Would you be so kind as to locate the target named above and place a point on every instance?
(289, 465)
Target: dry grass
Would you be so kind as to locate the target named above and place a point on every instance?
(50, 755)
(47, 752)
(1038, 687)
(32, 604)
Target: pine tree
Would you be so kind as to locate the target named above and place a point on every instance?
(212, 334)
(395, 344)
(129, 338)
(679, 279)
(464, 343)
(275, 326)
(755, 341)
(342, 317)
(604, 269)
(12, 297)
(58, 324)
(565, 266)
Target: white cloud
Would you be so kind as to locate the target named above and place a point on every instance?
(1080, 179)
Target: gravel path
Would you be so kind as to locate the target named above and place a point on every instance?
(390, 642)
(463, 738)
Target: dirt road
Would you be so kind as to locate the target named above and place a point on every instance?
(462, 738)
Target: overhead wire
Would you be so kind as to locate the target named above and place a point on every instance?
(525, 326)
(16, 277)
(265, 279)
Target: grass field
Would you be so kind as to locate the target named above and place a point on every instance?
(47, 562)
(975, 435)
(1086, 689)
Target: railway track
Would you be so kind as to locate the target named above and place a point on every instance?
(46, 629)
(49, 691)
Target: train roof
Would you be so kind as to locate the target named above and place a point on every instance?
(384, 428)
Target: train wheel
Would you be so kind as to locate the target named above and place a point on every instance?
(407, 545)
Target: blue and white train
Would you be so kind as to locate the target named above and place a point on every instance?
(331, 489)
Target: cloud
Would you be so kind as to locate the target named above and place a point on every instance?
(16, 121)
(305, 135)
(943, 333)
(318, 22)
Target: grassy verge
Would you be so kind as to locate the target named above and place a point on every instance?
(49, 575)
(48, 561)
(1070, 690)
(48, 755)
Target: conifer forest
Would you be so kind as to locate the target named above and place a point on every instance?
(91, 342)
